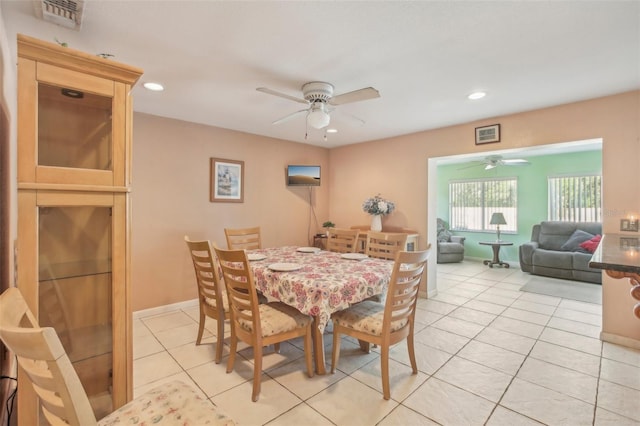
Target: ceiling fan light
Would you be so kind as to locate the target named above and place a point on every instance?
(318, 118)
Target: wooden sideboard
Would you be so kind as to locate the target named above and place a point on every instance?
(410, 245)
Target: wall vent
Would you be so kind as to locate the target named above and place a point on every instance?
(66, 13)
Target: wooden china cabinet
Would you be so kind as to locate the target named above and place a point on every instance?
(74, 176)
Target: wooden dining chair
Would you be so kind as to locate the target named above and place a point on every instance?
(389, 323)
(384, 245)
(212, 296)
(258, 325)
(245, 238)
(60, 393)
(342, 240)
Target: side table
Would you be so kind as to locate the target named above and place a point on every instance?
(320, 241)
(495, 245)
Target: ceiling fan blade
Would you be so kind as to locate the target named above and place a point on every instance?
(281, 95)
(471, 165)
(359, 120)
(490, 166)
(289, 117)
(355, 96)
(515, 162)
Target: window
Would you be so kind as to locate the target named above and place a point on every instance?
(472, 202)
(575, 198)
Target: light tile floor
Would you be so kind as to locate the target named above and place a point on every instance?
(487, 353)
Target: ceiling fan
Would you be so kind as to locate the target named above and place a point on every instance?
(493, 161)
(318, 96)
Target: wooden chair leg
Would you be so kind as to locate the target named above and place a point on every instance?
(365, 346)
(384, 370)
(232, 354)
(335, 354)
(257, 371)
(412, 354)
(308, 349)
(201, 326)
(219, 340)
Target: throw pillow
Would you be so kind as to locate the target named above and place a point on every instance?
(592, 244)
(444, 236)
(578, 237)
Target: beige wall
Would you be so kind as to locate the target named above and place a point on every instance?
(171, 173)
(171, 198)
(398, 169)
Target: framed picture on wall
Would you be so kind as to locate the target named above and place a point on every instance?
(226, 181)
(488, 134)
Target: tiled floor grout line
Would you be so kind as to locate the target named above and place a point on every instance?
(563, 318)
(528, 355)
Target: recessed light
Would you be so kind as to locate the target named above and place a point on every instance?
(477, 95)
(156, 87)
(332, 130)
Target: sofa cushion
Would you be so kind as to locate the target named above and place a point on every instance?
(573, 243)
(553, 234)
(553, 259)
(444, 235)
(581, 262)
(445, 248)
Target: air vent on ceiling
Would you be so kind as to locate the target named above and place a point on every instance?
(67, 13)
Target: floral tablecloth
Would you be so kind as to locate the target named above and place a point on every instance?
(326, 283)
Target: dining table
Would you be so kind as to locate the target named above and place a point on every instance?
(318, 283)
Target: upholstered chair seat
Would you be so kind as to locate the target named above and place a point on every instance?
(276, 318)
(366, 316)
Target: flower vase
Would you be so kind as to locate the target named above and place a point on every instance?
(376, 222)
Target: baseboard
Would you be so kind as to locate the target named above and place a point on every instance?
(165, 308)
(427, 294)
(620, 340)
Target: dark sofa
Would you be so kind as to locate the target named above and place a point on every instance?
(554, 251)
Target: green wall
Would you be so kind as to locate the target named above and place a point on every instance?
(532, 194)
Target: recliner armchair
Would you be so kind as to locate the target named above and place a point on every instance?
(450, 247)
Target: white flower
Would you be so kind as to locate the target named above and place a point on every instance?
(378, 206)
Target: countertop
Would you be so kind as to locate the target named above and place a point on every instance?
(617, 252)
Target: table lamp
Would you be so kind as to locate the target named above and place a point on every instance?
(498, 219)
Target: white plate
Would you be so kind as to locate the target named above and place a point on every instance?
(354, 256)
(308, 249)
(256, 256)
(284, 267)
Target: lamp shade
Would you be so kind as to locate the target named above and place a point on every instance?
(318, 117)
(497, 219)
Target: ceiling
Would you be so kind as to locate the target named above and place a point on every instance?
(424, 57)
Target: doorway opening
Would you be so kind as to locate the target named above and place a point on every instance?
(438, 203)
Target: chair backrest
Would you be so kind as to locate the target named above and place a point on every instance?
(402, 293)
(241, 291)
(245, 238)
(342, 240)
(384, 245)
(41, 356)
(207, 272)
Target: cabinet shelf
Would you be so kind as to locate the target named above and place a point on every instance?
(60, 271)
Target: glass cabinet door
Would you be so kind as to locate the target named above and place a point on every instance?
(75, 292)
(74, 128)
